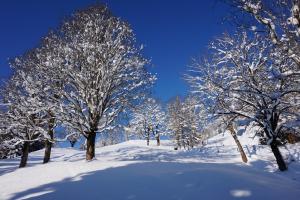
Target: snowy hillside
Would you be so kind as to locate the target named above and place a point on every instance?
(132, 170)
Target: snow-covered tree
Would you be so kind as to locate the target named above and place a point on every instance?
(248, 78)
(148, 119)
(7, 147)
(112, 135)
(48, 65)
(185, 121)
(73, 138)
(193, 121)
(103, 69)
(25, 117)
(277, 20)
(175, 118)
(212, 128)
(42, 82)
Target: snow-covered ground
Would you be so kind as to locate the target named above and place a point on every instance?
(132, 170)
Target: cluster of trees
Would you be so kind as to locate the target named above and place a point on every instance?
(252, 76)
(148, 119)
(89, 72)
(114, 134)
(181, 120)
(185, 121)
(80, 78)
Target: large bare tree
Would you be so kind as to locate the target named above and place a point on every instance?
(103, 69)
(248, 78)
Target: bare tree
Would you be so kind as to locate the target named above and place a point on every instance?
(103, 69)
(24, 118)
(184, 121)
(248, 78)
(42, 82)
(194, 121)
(277, 20)
(175, 120)
(148, 119)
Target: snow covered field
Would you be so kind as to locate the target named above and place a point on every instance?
(131, 170)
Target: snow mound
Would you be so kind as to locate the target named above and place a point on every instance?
(132, 170)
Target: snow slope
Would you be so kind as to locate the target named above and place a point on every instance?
(131, 170)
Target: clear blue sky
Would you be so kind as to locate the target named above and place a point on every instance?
(172, 31)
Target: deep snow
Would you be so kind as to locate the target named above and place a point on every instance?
(132, 170)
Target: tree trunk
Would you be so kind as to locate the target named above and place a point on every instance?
(241, 150)
(279, 159)
(148, 139)
(25, 151)
(90, 146)
(158, 140)
(48, 144)
(72, 144)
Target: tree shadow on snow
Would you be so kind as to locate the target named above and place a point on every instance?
(167, 181)
(10, 165)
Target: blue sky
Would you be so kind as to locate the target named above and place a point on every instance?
(172, 32)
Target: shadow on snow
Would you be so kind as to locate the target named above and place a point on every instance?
(168, 181)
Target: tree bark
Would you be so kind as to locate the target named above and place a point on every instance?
(241, 150)
(48, 144)
(148, 139)
(158, 140)
(274, 146)
(90, 146)
(25, 152)
(72, 144)
(279, 159)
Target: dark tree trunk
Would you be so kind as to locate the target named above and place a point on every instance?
(274, 146)
(158, 140)
(25, 152)
(72, 144)
(48, 144)
(90, 146)
(279, 159)
(148, 139)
